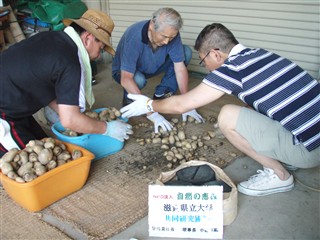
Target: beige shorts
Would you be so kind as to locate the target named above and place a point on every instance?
(269, 138)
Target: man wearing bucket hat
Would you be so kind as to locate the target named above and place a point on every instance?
(280, 130)
(53, 69)
(149, 48)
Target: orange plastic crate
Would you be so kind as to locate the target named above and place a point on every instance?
(51, 186)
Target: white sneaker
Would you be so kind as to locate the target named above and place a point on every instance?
(264, 183)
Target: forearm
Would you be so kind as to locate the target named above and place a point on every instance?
(196, 97)
(72, 118)
(84, 124)
(53, 105)
(182, 78)
(128, 83)
(172, 105)
(130, 86)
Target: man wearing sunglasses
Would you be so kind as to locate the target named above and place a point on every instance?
(280, 130)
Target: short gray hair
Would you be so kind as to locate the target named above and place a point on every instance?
(167, 17)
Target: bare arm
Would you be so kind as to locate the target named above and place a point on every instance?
(197, 97)
(182, 76)
(54, 105)
(71, 117)
(128, 83)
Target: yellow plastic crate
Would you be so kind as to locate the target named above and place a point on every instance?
(51, 186)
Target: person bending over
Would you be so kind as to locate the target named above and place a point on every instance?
(281, 127)
(147, 49)
(53, 69)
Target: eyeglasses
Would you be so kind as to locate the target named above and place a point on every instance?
(202, 60)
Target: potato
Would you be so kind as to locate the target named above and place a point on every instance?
(40, 170)
(6, 168)
(45, 156)
(25, 168)
(76, 154)
(9, 156)
(26, 165)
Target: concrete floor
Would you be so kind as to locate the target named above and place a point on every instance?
(290, 215)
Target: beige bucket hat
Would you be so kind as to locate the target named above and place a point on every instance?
(98, 24)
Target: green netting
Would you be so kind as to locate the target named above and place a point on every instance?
(53, 11)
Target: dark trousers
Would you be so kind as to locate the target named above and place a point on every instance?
(22, 131)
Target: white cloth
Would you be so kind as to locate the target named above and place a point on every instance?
(82, 94)
(5, 136)
(86, 72)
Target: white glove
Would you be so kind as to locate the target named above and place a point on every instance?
(193, 113)
(119, 130)
(141, 105)
(160, 121)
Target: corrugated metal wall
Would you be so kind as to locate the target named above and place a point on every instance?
(289, 28)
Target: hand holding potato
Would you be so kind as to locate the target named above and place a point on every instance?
(119, 130)
(159, 121)
(193, 113)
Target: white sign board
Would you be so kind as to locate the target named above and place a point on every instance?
(186, 211)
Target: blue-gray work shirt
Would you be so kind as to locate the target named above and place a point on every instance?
(135, 54)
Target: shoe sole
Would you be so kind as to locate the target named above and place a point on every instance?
(251, 192)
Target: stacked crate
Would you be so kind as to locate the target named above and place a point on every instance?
(10, 31)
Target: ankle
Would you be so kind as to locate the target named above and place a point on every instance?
(282, 174)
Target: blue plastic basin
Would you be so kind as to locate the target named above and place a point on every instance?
(100, 145)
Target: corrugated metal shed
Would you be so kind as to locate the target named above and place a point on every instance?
(289, 28)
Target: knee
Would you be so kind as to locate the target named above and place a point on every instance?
(140, 79)
(224, 114)
(228, 116)
(187, 54)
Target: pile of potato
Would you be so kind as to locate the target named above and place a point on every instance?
(178, 147)
(37, 158)
(106, 115)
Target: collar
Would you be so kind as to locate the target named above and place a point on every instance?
(236, 49)
(144, 33)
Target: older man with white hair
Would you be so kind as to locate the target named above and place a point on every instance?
(149, 48)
